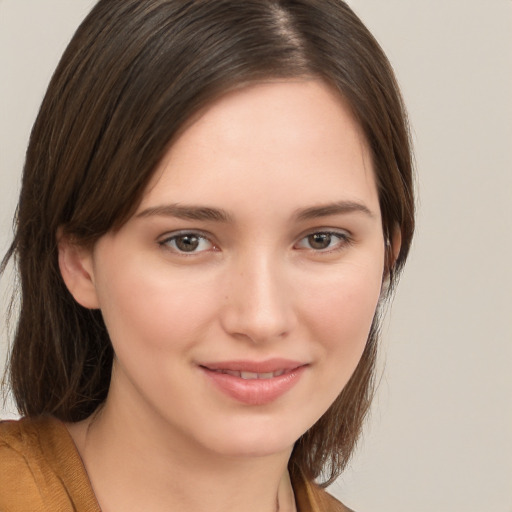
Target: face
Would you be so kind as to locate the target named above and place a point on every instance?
(240, 295)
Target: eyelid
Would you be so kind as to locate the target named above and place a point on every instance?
(344, 235)
(165, 239)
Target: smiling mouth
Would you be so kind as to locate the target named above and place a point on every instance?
(251, 375)
(254, 383)
(254, 370)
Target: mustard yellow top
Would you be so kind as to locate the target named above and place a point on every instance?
(41, 471)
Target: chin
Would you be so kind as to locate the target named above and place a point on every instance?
(252, 448)
(258, 439)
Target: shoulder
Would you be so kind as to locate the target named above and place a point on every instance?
(19, 448)
(312, 498)
(20, 467)
(24, 442)
(325, 501)
(37, 457)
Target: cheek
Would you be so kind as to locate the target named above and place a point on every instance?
(340, 315)
(338, 319)
(148, 307)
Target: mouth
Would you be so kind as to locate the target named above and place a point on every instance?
(250, 370)
(254, 383)
(252, 375)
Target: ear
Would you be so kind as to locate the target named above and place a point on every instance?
(396, 245)
(392, 251)
(76, 268)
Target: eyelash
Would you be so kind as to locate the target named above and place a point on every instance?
(170, 242)
(343, 237)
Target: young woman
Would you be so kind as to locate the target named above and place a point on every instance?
(217, 198)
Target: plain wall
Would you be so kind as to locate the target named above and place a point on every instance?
(440, 434)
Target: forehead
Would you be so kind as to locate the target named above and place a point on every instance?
(285, 141)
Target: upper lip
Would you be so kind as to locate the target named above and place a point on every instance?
(267, 366)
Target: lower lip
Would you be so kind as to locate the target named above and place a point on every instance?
(255, 391)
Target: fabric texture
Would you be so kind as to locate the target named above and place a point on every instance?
(41, 471)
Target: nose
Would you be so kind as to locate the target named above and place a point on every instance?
(259, 301)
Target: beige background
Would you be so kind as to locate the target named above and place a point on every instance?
(440, 436)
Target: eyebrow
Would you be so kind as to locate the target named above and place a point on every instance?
(205, 213)
(187, 212)
(336, 208)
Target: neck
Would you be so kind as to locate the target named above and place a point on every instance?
(136, 464)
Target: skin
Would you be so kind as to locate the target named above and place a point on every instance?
(257, 285)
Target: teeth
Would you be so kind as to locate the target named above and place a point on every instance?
(252, 375)
(248, 375)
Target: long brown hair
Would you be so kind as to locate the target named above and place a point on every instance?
(131, 77)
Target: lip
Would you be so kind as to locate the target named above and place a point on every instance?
(258, 391)
(267, 366)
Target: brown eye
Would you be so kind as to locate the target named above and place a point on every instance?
(187, 243)
(191, 243)
(324, 241)
(319, 240)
